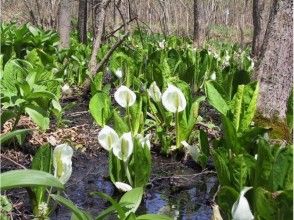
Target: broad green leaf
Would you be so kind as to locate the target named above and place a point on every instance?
(250, 102)
(100, 108)
(264, 205)
(230, 134)
(71, 206)
(136, 115)
(226, 197)
(221, 167)
(141, 155)
(237, 106)
(216, 99)
(12, 134)
(42, 161)
(120, 126)
(28, 178)
(38, 116)
(153, 217)
(282, 173)
(203, 142)
(116, 205)
(133, 199)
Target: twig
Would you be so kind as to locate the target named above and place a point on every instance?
(109, 53)
(117, 29)
(7, 158)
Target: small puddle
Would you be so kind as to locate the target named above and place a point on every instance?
(179, 193)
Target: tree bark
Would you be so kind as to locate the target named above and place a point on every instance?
(274, 67)
(260, 16)
(64, 23)
(196, 33)
(82, 21)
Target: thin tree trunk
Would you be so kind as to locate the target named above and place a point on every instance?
(196, 33)
(64, 23)
(274, 68)
(82, 21)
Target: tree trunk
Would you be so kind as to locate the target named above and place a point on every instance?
(196, 33)
(260, 14)
(64, 23)
(82, 21)
(275, 64)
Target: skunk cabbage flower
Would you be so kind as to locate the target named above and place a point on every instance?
(119, 73)
(108, 138)
(123, 186)
(241, 209)
(124, 150)
(154, 92)
(193, 150)
(124, 97)
(213, 76)
(62, 155)
(173, 99)
(145, 141)
(161, 44)
(66, 90)
(216, 213)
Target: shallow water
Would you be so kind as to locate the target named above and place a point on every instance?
(177, 193)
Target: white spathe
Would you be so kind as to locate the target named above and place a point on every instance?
(213, 76)
(124, 96)
(145, 141)
(241, 209)
(154, 92)
(124, 150)
(66, 90)
(193, 150)
(173, 99)
(108, 138)
(62, 163)
(119, 73)
(123, 186)
(161, 44)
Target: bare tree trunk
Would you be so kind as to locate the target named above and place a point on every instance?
(64, 23)
(260, 15)
(196, 33)
(82, 21)
(274, 68)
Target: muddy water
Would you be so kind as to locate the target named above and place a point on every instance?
(175, 189)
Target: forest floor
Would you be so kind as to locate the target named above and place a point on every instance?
(177, 187)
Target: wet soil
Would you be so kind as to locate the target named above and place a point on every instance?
(175, 189)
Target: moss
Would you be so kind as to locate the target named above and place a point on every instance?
(279, 128)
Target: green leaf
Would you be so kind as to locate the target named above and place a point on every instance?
(116, 205)
(221, 166)
(136, 115)
(120, 126)
(141, 155)
(28, 178)
(230, 134)
(132, 199)
(42, 161)
(100, 108)
(203, 141)
(216, 99)
(226, 197)
(12, 134)
(282, 172)
(250, 102)
(153, 217)
(71, 206)
(38, 116)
